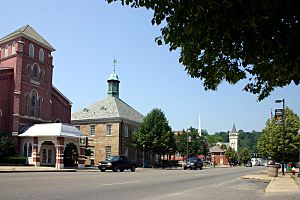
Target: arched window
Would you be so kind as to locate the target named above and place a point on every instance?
(1, 114)
(33, 103)
(13, 48)
(35, 71)
(6, 50)
(41, 55)
(27, 104)
(39, 107)
(42, 74)
(30, 150)
(25, 150)
(31, 50)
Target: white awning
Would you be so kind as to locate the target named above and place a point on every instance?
(52, 129)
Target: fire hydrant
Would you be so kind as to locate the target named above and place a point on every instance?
(293, 171)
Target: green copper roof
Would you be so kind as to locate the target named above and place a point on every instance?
(113, 77)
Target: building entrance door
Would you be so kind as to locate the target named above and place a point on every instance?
(47, 154)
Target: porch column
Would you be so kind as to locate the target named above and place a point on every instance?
(60, 148)
(35, 152)
(81, 158)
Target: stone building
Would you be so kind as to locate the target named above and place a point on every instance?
(109, 124)
(233, 138)
(28, 98)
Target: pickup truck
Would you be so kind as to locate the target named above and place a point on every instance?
(116, 163)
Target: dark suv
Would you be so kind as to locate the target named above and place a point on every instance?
(116, 163)
(193, 163)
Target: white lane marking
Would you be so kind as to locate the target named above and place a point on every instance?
(200, 175)
(122, 183)
(217, 185)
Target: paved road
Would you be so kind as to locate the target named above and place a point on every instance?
(216, 183)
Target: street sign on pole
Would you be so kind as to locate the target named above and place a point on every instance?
(279, 116)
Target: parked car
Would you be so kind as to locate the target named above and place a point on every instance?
(193, 163)
(116, 163)
(249, 164)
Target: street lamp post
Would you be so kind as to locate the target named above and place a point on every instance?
(283, 135)
(189, 139)
(299, 155)
(143, 155)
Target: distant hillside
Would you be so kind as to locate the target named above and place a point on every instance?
(246, 139)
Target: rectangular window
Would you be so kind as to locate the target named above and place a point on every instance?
(125, 131)
(126, 151)
(108, 129)
(107, 152)
(92, 129)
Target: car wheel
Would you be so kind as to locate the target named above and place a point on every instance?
(121, 170)
(102, 170)
(200, 168)
(115, 169)
(133, 169)
(185, 168)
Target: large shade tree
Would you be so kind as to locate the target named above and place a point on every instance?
(244, 155)
(277, 139)
(232, 40)
(154, 134)
(197, 145)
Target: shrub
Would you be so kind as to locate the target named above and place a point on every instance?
(15, 160)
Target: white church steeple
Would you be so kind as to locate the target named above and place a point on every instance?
(233, 138)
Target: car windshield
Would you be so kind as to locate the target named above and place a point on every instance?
(192, 159)
(113, 158)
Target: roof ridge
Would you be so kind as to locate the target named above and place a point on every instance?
(30, 33)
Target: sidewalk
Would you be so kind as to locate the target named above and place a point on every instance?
(280, 184)
(16, 169)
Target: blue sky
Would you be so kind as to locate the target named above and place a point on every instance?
(88, 35)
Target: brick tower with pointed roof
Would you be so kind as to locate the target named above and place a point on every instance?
(233, 138)
(27, 94)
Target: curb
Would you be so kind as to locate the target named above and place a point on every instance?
(29, 171)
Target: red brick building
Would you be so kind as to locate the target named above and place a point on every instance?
(27, 95)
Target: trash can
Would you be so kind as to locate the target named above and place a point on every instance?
(273, 170)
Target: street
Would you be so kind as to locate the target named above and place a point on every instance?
(146, 184)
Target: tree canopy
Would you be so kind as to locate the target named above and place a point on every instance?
(244, 155)
(273, 142)
(155, 133)
(196, 146)
(231, 154)
(232, 40)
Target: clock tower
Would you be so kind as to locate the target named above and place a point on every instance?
(233, 138)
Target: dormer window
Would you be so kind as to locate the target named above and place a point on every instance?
(6, 50)
(41, 55)
(13, 48)
(31, 50)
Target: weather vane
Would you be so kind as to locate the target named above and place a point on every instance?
(115, 62)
